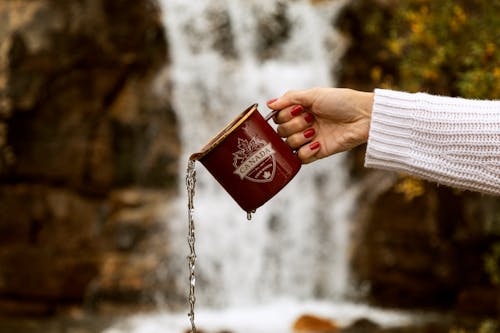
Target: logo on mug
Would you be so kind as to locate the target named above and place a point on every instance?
(255, 160)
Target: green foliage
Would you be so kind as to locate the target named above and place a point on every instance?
(447, 47)
(488, 326)
(492, 264)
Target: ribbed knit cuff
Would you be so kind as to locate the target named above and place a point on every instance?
(452, 141)
(389, 141)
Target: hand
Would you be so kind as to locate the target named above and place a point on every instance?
(319, 122)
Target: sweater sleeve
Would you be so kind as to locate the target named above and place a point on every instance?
(452, 141)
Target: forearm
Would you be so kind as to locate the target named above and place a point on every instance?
(451, 141)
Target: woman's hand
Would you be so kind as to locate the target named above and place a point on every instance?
(319, 122)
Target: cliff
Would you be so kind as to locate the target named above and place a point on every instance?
(88, 154)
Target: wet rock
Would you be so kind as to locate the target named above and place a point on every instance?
(60, 324)
(479, 301)
(423, 251)
(82, 96)
(311, 323)
(274, 28)
(222, 32)
(362, 325)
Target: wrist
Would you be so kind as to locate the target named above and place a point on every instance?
(367, 104)
(365, 107)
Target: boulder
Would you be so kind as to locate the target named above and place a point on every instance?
(308, 323)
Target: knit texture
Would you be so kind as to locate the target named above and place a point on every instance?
(452, 141)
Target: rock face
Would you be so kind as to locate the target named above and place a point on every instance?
(88, 155)
(425, 250)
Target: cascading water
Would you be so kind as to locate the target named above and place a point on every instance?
(226, 55)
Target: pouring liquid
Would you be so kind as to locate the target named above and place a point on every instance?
(191, 238)
(190, 186)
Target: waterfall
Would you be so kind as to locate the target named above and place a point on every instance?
(292, 258)
(226, 55)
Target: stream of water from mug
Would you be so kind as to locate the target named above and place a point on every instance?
(190, 189)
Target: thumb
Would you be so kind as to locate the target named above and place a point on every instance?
(293, 97)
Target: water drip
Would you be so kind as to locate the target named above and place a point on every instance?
(249, 215)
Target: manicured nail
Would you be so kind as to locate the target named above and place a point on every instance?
(308, 117)
(296, 110)
(309, 132)
(314, 145)
(271, 101)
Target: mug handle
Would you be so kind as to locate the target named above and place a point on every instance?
(271, 114)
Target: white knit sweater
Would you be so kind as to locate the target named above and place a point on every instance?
(452, 141)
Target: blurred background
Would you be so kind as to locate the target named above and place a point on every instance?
(101, 103)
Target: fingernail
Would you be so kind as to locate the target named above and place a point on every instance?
(271, 101)
(314, 145)
(308, 117)
(296, 110)
(309, 132)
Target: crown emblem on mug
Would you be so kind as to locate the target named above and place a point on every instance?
(255, 160)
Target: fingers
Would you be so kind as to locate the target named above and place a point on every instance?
(300, 135)
(296, 124)
(299, 139)
(310, 152)
(292, 103)
(289, 123)
(288, 114)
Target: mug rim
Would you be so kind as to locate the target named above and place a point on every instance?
(224, 132)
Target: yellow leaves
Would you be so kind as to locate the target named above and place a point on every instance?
(395, 46)
(410, 188)
(420, 22)
(442, 47)
(417, 27)
(485, 326)
(496, 73)
(491, 260)
(430, 74)
(417, 20)
(439, 46)
(490, 49)
(459, 13)
(458, 18)
(376, 74)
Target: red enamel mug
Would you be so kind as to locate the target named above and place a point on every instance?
(249, 159)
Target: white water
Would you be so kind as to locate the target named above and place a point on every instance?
(296, 247)
(296, 244)
(277, 317)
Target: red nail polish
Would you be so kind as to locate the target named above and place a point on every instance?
(309, 132)
(314, 145)
(296, 110)
(308, 117)
(271, 101)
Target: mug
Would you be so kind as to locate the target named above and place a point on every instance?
(249, 159)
